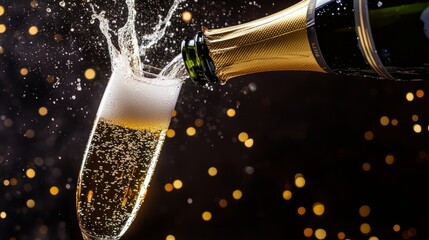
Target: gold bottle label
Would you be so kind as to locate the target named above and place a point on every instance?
(278, 42)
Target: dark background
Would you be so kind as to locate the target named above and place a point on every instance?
(304, 123)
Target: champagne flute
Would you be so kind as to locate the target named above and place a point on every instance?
(122, 150)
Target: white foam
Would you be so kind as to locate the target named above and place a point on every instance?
(128, 96)
(131, 97)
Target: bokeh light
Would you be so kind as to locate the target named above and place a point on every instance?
(199, 122)
(168, 187)
(90, 74)
(178, 184)
(301, 210)
(417, 128)
(243, 137)
(212, 171)
(420, 93)
(341, 235)
(320, 233)
(30, 203)
(249, 143)
(366, 166)
(237, 194)
(308, 232)
(43, 111)
(54, 190)
(384, 121)
(299, 180)
(364, 211)
(287, 195)
(207, 216)
(396, 228)
(33, 30)
(13, 181)
(191, 131)
(223, 203)
(34, 4)
(170, 237)
(171, 133)
(231, 112)
(318, 208)
(186, 16)
(365, 228)
(369, 135)
(409, 96)
(30, 173)
(389, 159)
(6, 182)
(24, 71)
(2, 28)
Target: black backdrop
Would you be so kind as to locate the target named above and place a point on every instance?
(326, 127)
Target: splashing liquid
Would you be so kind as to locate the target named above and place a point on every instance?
(130, 52)
(128, 133)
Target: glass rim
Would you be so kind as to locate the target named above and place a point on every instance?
(150, 74)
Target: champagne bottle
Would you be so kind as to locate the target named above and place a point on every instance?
(386, 39)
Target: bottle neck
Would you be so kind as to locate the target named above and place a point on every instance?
(197, 60)
(278, 42)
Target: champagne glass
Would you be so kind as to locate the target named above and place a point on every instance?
(123, 150)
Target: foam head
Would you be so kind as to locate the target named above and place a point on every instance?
(139, 100)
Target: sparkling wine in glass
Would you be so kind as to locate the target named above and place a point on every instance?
(122, 151)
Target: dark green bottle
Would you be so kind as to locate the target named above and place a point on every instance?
(382, 39)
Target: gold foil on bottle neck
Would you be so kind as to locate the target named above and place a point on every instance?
(278, 42)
